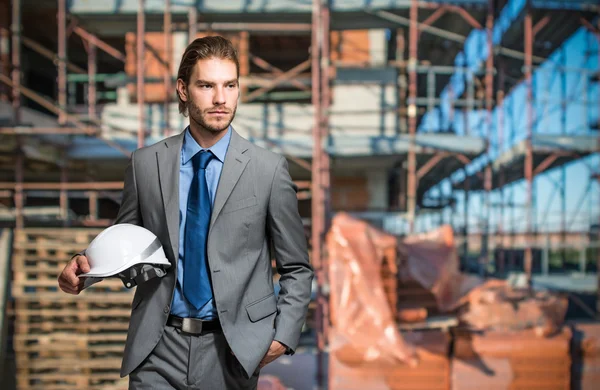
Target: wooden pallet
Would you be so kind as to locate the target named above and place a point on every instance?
(63, 341)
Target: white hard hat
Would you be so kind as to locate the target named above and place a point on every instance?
(130, 252)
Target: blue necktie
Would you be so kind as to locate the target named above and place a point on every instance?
(196, 281)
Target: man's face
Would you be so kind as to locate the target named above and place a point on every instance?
(212, 93)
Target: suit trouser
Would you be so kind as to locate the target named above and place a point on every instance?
(191, 362)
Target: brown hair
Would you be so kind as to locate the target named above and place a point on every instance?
(202, 49)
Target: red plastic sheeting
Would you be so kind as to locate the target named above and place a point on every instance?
(431, 260)
(361, 317)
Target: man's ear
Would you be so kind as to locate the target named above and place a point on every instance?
(182, 90)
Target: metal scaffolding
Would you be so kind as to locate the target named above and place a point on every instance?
(419, 83)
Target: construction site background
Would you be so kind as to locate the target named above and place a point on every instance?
(446, 155)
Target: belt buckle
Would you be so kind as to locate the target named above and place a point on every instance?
(190, 325)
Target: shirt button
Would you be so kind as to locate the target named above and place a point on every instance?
(167, 309)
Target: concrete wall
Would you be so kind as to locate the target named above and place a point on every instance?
(355, 110)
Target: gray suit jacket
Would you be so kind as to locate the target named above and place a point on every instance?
(255, 204)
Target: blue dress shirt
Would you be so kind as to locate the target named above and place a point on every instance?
(180, 306)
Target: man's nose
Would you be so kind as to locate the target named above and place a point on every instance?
(219, 96)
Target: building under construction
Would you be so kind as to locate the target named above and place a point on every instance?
(408, 114)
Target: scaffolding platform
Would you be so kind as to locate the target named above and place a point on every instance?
(345, 14)
(442, 37)
(549, 151)
(553, 22)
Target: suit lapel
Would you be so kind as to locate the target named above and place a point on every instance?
(236, 160)
(168, 159)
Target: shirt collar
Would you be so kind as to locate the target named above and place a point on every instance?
(191, 147)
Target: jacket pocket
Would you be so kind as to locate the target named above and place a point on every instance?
(262, 308)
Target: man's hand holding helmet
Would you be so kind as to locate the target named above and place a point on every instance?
(125, 251)
(68, 280)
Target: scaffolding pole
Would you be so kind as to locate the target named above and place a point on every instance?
(528, 142)
(320, 171)
(598, 176)
(167, 59)
(489, 101)
(141, 21)
(16, 61)
(500, 98)
(18, 194)
(4, 48)
(563, 182)
(316, 201)
(92, 69)
(62, 61)
(192, 23)
(324, 159)
(412, 113)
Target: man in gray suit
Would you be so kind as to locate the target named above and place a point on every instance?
(213, 321)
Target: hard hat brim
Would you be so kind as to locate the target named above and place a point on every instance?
(163, 261)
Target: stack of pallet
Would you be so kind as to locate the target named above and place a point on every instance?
(497, 360)
(348, 371)
(63, 341)
(586, 356)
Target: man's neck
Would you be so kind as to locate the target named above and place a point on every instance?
(206, 138)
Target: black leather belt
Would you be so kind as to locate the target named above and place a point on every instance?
(194, 325)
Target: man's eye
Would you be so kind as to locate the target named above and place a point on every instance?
(231, 85)
(204, 86)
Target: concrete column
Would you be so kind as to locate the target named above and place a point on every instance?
(378, 189)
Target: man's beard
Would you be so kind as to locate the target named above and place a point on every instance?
(199, 117)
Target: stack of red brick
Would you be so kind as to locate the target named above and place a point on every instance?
(517, 360)
(348, 371)
(586, 356)
(512, 339)
(509, 339)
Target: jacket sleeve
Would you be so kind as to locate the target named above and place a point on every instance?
(129, 212)
(284, 227)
